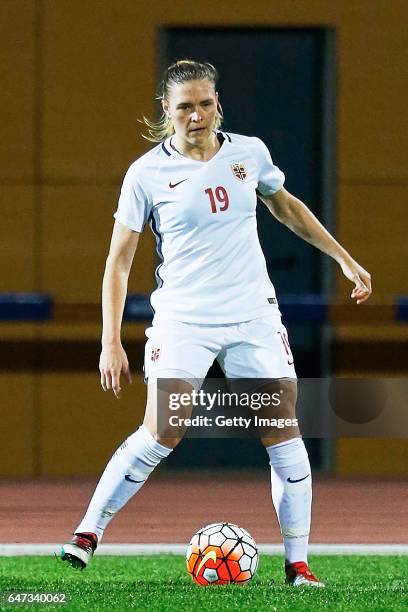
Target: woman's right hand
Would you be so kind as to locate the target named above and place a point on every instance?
(112, 363)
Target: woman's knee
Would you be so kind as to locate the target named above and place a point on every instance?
(159, 415)
(279, 422)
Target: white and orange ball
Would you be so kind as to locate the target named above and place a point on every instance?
(222, 553)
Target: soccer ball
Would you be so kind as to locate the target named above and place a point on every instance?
(222, 553)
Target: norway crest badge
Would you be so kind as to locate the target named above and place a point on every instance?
(155, 354)
(239, 171)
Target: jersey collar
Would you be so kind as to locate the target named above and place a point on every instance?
(167, 148)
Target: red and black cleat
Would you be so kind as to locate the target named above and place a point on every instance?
(298, 574)
(79, 550)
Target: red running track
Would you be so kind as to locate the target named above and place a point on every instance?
(171, 507)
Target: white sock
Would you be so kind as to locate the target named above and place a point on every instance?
(125, 474)
(291, 481)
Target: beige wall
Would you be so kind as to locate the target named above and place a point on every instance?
(77, 74)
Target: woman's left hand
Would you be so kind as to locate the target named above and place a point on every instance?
(360, 277)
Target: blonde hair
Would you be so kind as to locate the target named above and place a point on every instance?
(179, 72)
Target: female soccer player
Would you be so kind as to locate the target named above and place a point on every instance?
(198, 190)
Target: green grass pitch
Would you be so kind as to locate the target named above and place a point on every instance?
(160, 583)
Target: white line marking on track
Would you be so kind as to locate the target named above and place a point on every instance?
(13, 550)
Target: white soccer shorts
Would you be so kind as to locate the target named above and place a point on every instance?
(252, 349)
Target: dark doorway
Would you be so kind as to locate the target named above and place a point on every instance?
(277, 84)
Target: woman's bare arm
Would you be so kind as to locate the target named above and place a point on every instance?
(293, 213)
(113, 358)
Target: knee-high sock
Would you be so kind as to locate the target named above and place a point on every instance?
(291, 482)
(125, 474)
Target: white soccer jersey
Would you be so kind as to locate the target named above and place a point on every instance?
(203, 215)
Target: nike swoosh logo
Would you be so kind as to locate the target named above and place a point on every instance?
(129, 479)
(210, 555)
(299, 479)
(173, 185)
